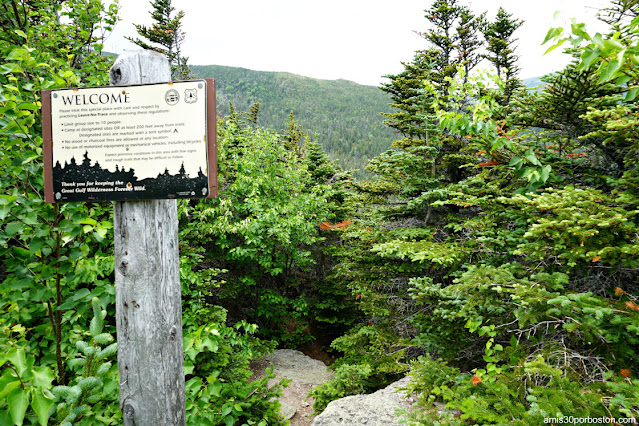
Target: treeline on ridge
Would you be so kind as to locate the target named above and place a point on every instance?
(342, 115)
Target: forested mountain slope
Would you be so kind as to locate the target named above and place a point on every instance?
(344, 115)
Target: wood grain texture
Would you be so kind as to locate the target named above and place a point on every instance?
(147, 281)
(140, 67)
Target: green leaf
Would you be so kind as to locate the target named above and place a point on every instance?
(5, 417)
(13, 228)
(81, 294)
(553, 47)
(609, 71)
(215, 388)
(20, 284)
(19, 54)
(597, 40)
(612, 44)
(10, 68)
(28, 106)
(515, 161)
(41, 405)
(103, 338)
(532, 158)
(18, 359)
(622, 79)
(587, 57)
(18, 401)
(552, 33)
(631, 95)
(70, 303)
(36, 244)
(8, 382)
(101, 232)
(42, 376)
(21, 252)
(193, 385)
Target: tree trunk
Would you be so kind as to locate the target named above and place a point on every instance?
(147, 280)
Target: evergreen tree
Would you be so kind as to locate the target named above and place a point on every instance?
(318, 163)
(254, 113)
(295, 138)
(501, 53)
(620, 12)
(468, 42)
(444, 16)
(430, 156)
(165, 36)
(406, 93)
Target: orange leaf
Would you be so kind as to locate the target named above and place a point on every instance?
(596, 259)
(632, 306)
(619, 291)
(625, 372)
(475, 380)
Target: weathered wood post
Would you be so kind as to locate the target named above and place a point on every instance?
(147, 281)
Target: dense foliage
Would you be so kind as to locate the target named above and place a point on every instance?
(497, 260)
(493, 254)
(57, 295)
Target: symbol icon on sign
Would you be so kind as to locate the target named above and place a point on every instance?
(172, 97)
(190, 96)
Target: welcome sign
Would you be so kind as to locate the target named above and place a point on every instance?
(130, 142)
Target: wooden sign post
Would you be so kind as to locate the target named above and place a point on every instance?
(147, 282)
(142, 145)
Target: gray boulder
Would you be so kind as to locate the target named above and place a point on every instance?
(298, 367)
(376, 409)
(304, 372)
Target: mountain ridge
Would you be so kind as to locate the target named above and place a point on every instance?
(342, 115)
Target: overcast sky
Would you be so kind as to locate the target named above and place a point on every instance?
(358, 40)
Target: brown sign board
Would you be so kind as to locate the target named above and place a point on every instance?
(115, 143)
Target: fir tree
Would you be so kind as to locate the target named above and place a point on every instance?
(501, 53)
(254, 113)
(468, 42)
(406, 93)
(620, 12)
(165, 36)
(319, 166)
(295, 138)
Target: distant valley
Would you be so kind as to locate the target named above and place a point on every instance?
(342, 115)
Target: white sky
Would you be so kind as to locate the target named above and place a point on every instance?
(357, 40)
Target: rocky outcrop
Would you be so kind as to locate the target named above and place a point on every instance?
(298, 367)
(376, 409)
(304, 372)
